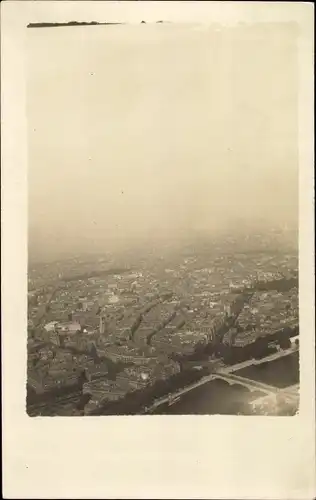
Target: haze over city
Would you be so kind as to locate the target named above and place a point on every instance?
(159, 131)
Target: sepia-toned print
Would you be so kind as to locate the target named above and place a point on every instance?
(162, 219)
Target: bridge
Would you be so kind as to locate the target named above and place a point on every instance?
(243, 364)
(255, 362)
(252, 385)
(227, 374)
(171, 397)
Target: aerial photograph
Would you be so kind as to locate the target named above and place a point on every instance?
(162, 220)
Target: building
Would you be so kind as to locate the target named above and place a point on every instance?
(50, 327)
(69, 327)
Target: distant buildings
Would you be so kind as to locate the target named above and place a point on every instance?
(138, 320)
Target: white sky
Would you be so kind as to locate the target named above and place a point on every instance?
(152, 130)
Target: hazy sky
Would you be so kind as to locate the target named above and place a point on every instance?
(159, 129)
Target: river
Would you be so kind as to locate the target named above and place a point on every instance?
(218, 397)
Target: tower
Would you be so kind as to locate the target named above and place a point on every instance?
(102, 324)
(227, 309)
